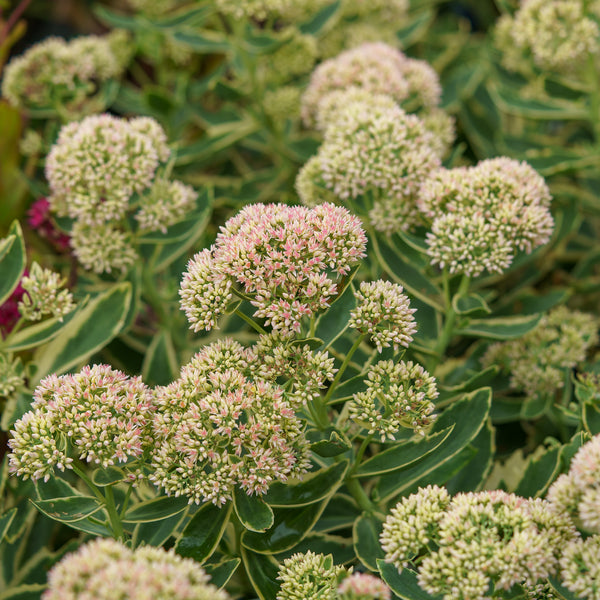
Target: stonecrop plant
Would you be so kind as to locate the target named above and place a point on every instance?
(299, 300)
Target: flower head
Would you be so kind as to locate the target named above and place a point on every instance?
(218, 429)
(309, 576)
(11, 375)
(104, 569)
(580, 567)
(537, 361)
(362, 586)
(253, 9)
(384, 312)
(398, 395)
(99, 415)
(482, 215)
(288, 260)
(43, 295)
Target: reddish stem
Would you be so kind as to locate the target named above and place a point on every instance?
(14, 17)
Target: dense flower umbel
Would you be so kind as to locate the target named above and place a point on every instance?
(288, 260)
(309, 576)
(482, 539)
(105, 569)
(377, 68)
(578, 491)
(43, 295)
(375, 158)
(580, 567)
(215, 430)
(56, 71)
(537, 361)
(384, 312)
(482, 215)
(559, 35)
(362, 586)
(99, 415)
(253, 9)
(398, 395)
(11, 375)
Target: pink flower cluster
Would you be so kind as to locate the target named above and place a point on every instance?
(287, 261)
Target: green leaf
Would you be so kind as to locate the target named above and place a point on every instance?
(12, 261)
(328, 442)
(404, 584)
(253, 512)
(539, 474)
(188, 16)
(590, 416)
(160, 362)
(55, 488)
(475, 382)
(221, 573)
(341, 549)
(412, 32)
(402, 454)
(290, 526)
(314, 487)
(41, 333)
(562, 591)
(501, 328)
(89, 331)
(104, 476)
(332, 324)
(155, 509)
(366, 532)
(202, 41)
(25, 591)
(470, 305)
(467, 417)
(154, 533)
(93, 526)
(262, 570)
(68, 510)
(404, 273)
(5, 521)
(203, 532)
(117, 20)
(321, 19)
(340, 513)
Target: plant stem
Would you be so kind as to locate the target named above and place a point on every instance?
(345, 364)
(115, 520)
(250, 321)
(360, 495)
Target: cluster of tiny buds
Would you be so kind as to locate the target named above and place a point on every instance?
(537, 361)
(105, 569)
(253, 9)
(383, 312)
(287, 260)
(399, 394)
(98, 415)
(474, 544)
(43, 295)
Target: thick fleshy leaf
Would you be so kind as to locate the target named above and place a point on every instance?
(404, 584)
(290, 526)
(116, 19)
(591, 418)
(262, 571)
(329, 442)
(25, 591)
(341, 549)
(539, 474)
(403, 272)
(472, 305)
(314, 487)
(467, 417)
(189, 17)
(202, 41)
(55, 487)
(412, 32)
(68, 510)
(321, 19)
(160, 362)
(366, 532)
(500, 328)
(93, 525)
(332, 324)
(153, 533)
(12, 261)
(107, 476)
(475, 382)
(5, 521)
(561, 590)
(402, 455)
(253, 512)
(155, 509)
(90, 330)
(221, 573)
(203, 532)
(340, 513)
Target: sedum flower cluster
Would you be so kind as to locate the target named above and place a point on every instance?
(64, 76)
(259, 10)
(481, 216)
(362, 586)
(375, 68)
(578, 491)
(43, 295)
(398, 395)
(105, 569)
(472, 544)
(557, 35)
(11, 375)
(216, 428)
(383, 312)
(374, 157)
(580, 567)
(99, 415)
(102, 169)
(288, 261)
(537, 361)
